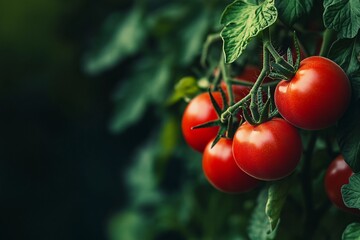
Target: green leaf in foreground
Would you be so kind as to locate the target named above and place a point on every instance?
(278, 192)
(351, 192)
(244, 21)
(259, 225)
(346, 52)
(352, 232)
(348, 136)
(342, 16)
(292, 11)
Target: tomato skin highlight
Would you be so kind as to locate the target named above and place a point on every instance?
(316, 97)
(338, 174)
(200, 110)
(221, 170)
(269, 151)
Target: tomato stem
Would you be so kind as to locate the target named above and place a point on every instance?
(209, 40)
(252, 94)
(328, 39)
(307, 186)
(227, 80)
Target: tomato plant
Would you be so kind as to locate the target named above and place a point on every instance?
(269, 151)
(200, 110)
(316, 97)
(338, 174)
(221, 170)
(284, 99)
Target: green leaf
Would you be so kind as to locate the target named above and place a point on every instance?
(141, 179)
(244, 21)
(352, 232)
(193, 37)
(291, 11)
(348, 136)
(346, 52)
(342, 16)
(278, 192)
(259, 225)
(121, 37)
(186, 88)
(351, 192)
(147, 85)
(125, 225)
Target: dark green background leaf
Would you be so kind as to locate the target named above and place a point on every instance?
(122, 36)
(259, 225)
(342, 16)
(244, 21)
(346, 52)
(278, 192)
(352, 232)
(351, 192)
(147, 86)
(291, 11)
(348, 136)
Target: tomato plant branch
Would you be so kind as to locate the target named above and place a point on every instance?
(309, 226)
(250, 84)
(225, 75)
(279, 60)
(252, 94)
(209, 40)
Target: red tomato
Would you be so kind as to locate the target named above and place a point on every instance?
(221, 170)
(316, 97)
(338, 174)
(200, 110)
(268, 151)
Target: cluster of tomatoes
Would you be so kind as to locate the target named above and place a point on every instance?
(314, 98)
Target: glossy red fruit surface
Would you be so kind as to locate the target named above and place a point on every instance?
(268, 151)
(316, 97)
(338, 174)
(221, 170)
(200, 110)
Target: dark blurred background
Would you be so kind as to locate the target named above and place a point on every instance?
(60, 167)
(67, 137)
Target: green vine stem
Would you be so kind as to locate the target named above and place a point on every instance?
(209, 40)
(328, 39)
(252, 94)
(227, 80)
(250, 84)
(309, 226)
(279, 59)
